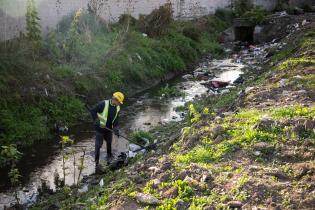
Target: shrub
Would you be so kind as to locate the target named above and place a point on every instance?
(125, 18)
(157, 22)
(192, 33)
(22, 125)
(256, 15)
(242, 6)
(141, 137)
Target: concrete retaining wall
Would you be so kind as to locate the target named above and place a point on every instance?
(12, 12)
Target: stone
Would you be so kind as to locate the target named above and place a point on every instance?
(166, 166)
(283, 82)
(249, 89)
(257, 153)
(188, 77)
(147, 199)
(182, 175)
(156, 183)
(206, 178)
(171, 193)
(309, 125)
(235, 204)
(265, 123)
(216, 131)
(262, 146)
(218, 139)
(164, 177)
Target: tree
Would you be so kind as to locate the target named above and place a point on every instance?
(33, 27)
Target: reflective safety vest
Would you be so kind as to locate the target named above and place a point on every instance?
(104, 115)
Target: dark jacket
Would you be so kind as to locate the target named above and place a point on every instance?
(111, 123)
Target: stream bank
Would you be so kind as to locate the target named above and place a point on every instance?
(225, 157)
(147, 110)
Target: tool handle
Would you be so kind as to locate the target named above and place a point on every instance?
(111, 130)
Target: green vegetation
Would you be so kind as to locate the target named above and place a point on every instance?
(170, 92)
(141, 137)
(293, 62)
(86, 57)
(256, 15)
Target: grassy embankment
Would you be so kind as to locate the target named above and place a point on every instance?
(86, 59)
(260, 154)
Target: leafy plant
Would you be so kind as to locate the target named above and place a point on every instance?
(33, 27)
(12, 155)
(141, 137)
(170, 92)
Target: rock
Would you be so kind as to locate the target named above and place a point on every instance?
(171, 193)
(235, 204)
(188, 77)
(262, 146)
(147, 199)
(283, 82)
(209, 208)
(156, 183)
(249, 89)
(218, 139)
(181, 204)
(309, 125)
(166, 166)
(216, 131)
(206, 178)
(164, 177)
(182, 175)
(257, 153)
(279, 175)
(266, 123)
(218, 119)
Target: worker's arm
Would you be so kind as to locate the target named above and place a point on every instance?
(97, 109)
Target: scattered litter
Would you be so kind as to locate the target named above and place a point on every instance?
(101, 183)
(283, 82)
(134, 147)
(84, 188)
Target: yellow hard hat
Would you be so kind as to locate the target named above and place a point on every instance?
(119, 96)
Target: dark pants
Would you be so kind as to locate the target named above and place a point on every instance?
(100, 136)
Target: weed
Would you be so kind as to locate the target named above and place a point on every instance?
(293, 111)
(141, 137)
(293, 62)
(170, 92)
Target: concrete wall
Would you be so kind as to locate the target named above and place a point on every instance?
(12, 12)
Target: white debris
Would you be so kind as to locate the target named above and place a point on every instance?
(304, 22)
(144, 34)
(134, 147)
(101, 183)
(283, 82)
(83, 189)
(248, 89)
(257, 153)
(188, 77)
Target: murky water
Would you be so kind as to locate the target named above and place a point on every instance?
(146, 111)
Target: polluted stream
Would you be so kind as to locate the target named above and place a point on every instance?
(40, 167)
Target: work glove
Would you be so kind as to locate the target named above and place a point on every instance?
(116, 132)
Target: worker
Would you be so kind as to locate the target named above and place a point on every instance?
(105, 115)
